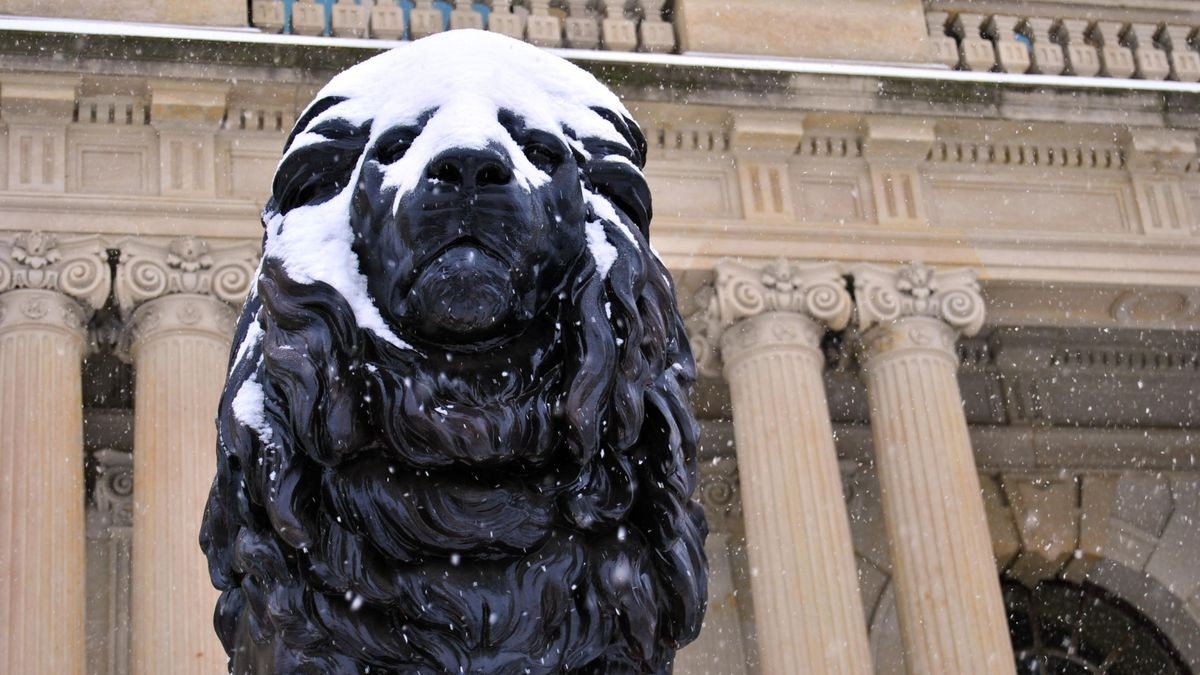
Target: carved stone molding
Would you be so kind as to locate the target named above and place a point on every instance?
(74, 266)
(40, 309)
(913, 290)
(816, 291)
(152, 269)
(113, 493)
(718, 491)
(182, 313)
(1158, 309)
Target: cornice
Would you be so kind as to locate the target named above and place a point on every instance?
(181, 52)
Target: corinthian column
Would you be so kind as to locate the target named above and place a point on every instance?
(42, 571)
(769, 324)
(947, 590)
(178, 296)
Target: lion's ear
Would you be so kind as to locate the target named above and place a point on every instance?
(316, 171)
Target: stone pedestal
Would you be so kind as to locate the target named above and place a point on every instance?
(42, 563)
(180, 346)
(41, 483)
(807, 606)
(947, 590)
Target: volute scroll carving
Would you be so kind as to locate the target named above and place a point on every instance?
(73, 266)
(152, 269)
(884, 295)
(817, 291)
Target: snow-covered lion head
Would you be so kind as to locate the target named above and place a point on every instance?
(455, 435)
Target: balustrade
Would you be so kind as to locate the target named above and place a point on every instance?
(1049, 45)
(614, 25)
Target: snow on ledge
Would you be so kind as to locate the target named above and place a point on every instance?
(929, 72)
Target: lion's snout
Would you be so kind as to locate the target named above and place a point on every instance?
(466, 170)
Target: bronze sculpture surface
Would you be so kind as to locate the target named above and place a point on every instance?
(455, 435)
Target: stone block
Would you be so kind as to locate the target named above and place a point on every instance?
(308, 18)
(1006, 541)
(978, 54)
(1117, 61)
(466, 18)
(620, 35)
(1012, 56)
(209, 13)
(544, 31)
(855, 30)
(1144, 500)
(1152, 64)
(512, 25)
(1046, 516)
(1185, 65)
(349, 19)
(268, 15)
(422, 22)
(1130, 546)
(1085, 62)
(657, 36)
(582, 33)
(1049, 59)
(387, 21)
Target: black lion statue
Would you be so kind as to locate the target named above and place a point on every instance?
(455, 436)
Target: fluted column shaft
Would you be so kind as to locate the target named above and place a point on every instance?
(807, 605)
(768, 323)
(951, 611)
(42, 564)
(180, 344)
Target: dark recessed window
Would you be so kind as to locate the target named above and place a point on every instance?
(1064, 628)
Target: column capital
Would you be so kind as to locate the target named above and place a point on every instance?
(73, 266)
(150, 269)
(816, 292)
(183, 313)
(885, 294)
(27, 308)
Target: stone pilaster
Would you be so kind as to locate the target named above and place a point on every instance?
(42, 563)
(1157, 160)
(769, 324)
(178, 296)
(895, 149)
(110, 550)
(947, 591)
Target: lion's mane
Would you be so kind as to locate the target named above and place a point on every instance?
(350, 526)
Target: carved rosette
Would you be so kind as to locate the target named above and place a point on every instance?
(51, 281)
(790, 303)
(916, 307)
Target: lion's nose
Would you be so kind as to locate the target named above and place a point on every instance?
(470, 168)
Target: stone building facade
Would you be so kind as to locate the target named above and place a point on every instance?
(940, 258)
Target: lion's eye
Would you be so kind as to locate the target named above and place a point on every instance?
(392, 152)
(542, 156)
